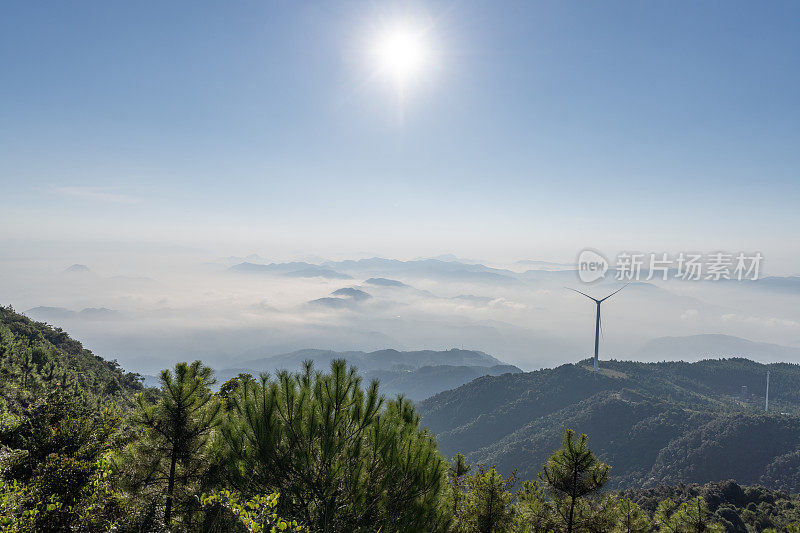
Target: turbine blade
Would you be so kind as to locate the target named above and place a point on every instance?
(615, 292)
(579, 292)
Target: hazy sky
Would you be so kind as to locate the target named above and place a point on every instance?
(535, 128)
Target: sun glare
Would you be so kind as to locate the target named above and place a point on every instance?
(402, 54)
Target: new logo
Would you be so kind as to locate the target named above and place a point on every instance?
(592, 266)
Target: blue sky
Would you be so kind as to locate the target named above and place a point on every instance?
(540, 128)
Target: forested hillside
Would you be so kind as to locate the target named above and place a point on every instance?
(36, 359)
(654, 423)
(61, 411)
(424, 382)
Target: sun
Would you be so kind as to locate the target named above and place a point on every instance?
(402, 54)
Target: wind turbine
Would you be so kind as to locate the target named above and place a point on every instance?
(597, 324)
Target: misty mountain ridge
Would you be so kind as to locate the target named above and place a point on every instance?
(529, 319)
(376, 266)
(414, 374)
(342, 298)
(713, 345)
(779, 284)
(352, 292)
(385, 282)
(415, 384)
(451, 268)
(291, 270)
(388, 359)
(76, 268)
(49, 314)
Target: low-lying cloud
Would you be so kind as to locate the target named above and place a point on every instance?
(169, 307)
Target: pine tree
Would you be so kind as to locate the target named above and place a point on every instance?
(27, 366)
(572, 473)
(630, 518)
(690, 517)
(488, 506)
(458, 469)
(229, 388)
(339, 459)
(534, 512)
(177, 432)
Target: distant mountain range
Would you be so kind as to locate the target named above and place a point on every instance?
(377, 360)
(787, 284)
(652, 422)
(450, 268)
(415, 374)
(292, 270)
(714, 346)
(377, 267)
(384, 282)
(50, 314)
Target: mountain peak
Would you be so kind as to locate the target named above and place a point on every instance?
(77, 268)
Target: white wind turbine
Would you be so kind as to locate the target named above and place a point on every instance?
(597, 323)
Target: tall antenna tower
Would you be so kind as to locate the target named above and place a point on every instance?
(766, 402)
(597, 322)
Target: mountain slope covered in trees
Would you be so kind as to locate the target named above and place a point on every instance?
(653, 422)
(36, 358)
(424, 382)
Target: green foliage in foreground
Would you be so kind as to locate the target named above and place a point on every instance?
(171, 455)
(572, 473)
(303, 452)
(55, 468)
(257, 515)
(342, 457)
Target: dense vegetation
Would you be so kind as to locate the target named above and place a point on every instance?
(37, 359)
(666, 422)
(83, 447)
(738, 508)
(60, 407)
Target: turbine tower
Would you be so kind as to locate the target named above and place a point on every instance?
(597, 323)
(766, 401)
